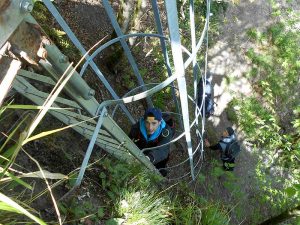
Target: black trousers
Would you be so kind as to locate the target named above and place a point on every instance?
(161, 165)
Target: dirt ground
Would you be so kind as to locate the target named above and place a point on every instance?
(227, 61)
(88, 20)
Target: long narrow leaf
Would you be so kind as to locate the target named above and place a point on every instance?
(38, 174)
(19, 209)
(6, 156)
(13, 132)
(18, 180)
(16, 150)
(55, 92)
(48, 186)
(33, 107)
(6, 207)
(46, 133)
(2, 109)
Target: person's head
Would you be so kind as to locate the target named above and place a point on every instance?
(228, 132)
(152, 118)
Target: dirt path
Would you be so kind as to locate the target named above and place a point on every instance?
(228, 65)
(227, 61)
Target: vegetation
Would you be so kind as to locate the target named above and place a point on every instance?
(129, 195)
(58, 36)
(137, 196)
(8, 177)
(270, 117)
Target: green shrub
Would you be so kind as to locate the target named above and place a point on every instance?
(269, 117)
(142, 206)
(214, 214)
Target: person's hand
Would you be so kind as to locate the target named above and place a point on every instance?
(150, 157)
(206, 143)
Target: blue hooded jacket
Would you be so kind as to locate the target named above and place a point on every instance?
(161, 136)
(155, 134)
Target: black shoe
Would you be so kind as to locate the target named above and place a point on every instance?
(163, 172)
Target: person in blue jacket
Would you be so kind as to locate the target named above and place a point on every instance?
(152, 131)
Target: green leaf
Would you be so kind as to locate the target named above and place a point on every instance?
(114, 221)
(59, 32)
(201, 178)
(10, 136)
(297, 187)
(114, 188)
(100, 213)
(7, 154)
(28, 107)
(104, 183)
(19, 181)
(15, 207)
(111, 195)
(217, 172)
(102, 175)
(72, 179)
(15, 149)
(291, 191)
(79, 212)
(62, 208)
(6, 207)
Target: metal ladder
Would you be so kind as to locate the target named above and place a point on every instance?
(21, 31)
(22, 35)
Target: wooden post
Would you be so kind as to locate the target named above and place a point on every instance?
(8, 71)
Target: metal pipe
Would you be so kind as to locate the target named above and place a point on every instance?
(12, 14)
(172, 17)
(60, 62)
(79, 46)
(113, 20)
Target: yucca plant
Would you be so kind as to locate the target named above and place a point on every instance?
(11, 147)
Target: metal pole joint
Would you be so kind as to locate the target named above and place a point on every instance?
(26, 6)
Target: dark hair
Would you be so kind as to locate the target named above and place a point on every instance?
(230, 130)
(153, 112)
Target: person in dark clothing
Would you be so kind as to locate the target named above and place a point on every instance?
(228, 137)
(151, 132)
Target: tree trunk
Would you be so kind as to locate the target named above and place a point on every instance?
(288, 214)
(128, 16)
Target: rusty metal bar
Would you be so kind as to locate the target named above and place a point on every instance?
(8, 70)
(12, 12)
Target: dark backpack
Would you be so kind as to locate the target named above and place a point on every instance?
(232, 149)
(208, 98)
(170, 121)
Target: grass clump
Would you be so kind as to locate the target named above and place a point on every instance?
(214, 214)
(142, 207)
(190, 208)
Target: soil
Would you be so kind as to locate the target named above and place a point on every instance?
(227, 61)
(88, 20)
